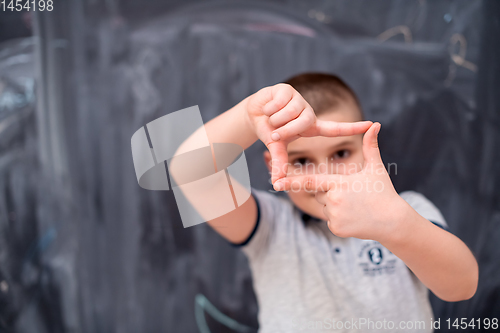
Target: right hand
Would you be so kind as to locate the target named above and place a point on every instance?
(279, 114)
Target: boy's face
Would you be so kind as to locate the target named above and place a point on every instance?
(342, 155)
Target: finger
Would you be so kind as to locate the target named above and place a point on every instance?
(277, 97)
(295, 127)
(310, 183)
(371, 152)
(329, 217)
(333, 128)
(279, 160)
(321, 197)
(291, 111)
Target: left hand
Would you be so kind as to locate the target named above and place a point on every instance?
(362, 205)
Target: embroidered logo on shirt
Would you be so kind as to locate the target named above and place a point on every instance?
(374, 259)
(376, 255)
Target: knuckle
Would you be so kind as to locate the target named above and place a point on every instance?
(263, 94)
(293, 109)
(337, 228)
(329, 215)
(281, 94)
(332, 197)
(333, 225)
(283, 132)
(328, 196)
(273, 120)
(308, 183)
(336, 130)
(308, 116)
(285, 87)
(336, 199)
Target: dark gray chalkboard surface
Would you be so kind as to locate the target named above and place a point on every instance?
(84, 249)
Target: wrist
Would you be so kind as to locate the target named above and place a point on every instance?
(400, 224)
(246, 116)
(244, 119)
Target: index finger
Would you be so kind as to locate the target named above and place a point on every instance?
(279, 160)
(333, 128)
(309, 183)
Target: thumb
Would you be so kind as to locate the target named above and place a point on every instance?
(279, 160)
(371, 153)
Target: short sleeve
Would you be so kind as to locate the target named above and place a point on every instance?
(268, 206)
(425, 208)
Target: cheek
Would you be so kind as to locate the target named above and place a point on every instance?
(307, 203)
(301, 198)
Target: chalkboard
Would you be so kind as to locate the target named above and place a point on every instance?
(84, 249)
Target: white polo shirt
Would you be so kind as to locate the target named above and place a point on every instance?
(306, 279)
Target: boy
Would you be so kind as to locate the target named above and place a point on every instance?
(344, 251)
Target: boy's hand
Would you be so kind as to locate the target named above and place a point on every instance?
(362, 205)
(279, 114)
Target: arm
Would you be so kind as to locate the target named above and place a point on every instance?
(230, 127)
(276, 115)
(439, 259)
(233, 126)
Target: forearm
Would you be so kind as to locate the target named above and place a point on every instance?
(232, 126)
(438, 258)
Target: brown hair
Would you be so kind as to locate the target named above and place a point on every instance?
(324, 92)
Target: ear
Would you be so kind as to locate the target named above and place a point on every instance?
(267, 160)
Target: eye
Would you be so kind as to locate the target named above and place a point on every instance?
(301, 161)
(344, 153)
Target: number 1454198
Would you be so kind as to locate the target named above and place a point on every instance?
(27, 5)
